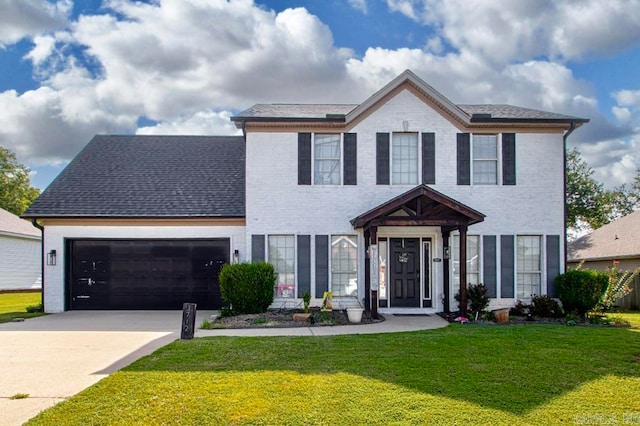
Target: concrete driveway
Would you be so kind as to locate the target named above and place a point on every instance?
(56, 356)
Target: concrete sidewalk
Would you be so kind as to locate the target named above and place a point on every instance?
(391, 324)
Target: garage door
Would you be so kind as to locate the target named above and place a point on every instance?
(145, 274)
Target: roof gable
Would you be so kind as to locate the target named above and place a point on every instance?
(346, 115)
(150, 177)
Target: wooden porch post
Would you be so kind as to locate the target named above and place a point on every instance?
(463, 270)
(374, 293)
(445, 267)
(367, 271)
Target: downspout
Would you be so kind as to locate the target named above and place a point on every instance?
(572, 127)
(42, 260)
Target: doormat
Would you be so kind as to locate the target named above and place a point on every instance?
(411, 315)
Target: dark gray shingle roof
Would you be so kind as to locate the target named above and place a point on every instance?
(320, 111)
(150, 176)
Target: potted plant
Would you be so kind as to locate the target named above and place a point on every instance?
(354, 313)
(303, 317)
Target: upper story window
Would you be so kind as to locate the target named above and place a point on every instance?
(326, 159)
(485, 159)
(404, 159)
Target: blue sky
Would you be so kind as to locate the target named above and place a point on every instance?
(72, 69)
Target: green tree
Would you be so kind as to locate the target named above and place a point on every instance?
(626, 197)
(16, 192)
(587, 200)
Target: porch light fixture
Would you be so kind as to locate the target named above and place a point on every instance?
(446, 253)
(51, 258)
(236, 256)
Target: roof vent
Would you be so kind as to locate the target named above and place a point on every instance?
(482, 116)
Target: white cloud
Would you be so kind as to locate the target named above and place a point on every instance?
(360, 5)
(506, 30)
(614, 161)
(627, 97)
(200, 123)
(26, 18)
(623, 115)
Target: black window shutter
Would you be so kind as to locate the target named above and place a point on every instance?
(322, 265)
(506, 266)
(429, 158)
(464, 159)
(350, 159)
(489, 263)
(553, 263)
(382, 158)
(304, 264)
(508, 158)
(304, 158)
(257, 248)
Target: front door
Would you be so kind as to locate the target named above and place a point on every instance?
(405, 272)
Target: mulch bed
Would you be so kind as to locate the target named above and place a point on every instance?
(284, 319)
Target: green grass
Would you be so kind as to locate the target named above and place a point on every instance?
(462, 374)
(13, 305)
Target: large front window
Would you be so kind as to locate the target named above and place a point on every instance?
(326, 159)
(529, 265)
(344, 265)
(404, 164)
(485, 159)
(473, 260)
(282, 255)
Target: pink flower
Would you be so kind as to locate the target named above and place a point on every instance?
(461, 320)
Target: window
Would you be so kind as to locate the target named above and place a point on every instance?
(485, 159)
(344, 265)
(473, 260)
(382, 272)
(326, 159)
(404, 159)
(529, 265)
(282, 255)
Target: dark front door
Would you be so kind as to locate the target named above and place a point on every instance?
(405, 272)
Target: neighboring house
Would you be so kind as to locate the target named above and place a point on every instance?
(394, 203)
(20, 258)
(618, 242)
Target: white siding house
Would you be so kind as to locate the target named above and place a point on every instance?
(20, 245)
(396, 203)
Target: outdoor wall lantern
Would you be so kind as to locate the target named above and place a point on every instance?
(236, 256)
(447, 253)
(51, 258)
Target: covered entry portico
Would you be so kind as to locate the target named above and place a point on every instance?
(413, 230)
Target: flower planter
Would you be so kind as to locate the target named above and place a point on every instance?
(301, 317)
(502, 315)
(355, 314)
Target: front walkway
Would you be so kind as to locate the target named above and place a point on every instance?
(391, 324)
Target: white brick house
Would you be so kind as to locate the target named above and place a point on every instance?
(368, 201)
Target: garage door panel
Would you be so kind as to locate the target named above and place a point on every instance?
(146, 274)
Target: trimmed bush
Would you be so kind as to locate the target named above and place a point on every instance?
(477, 298)
(545, 307)
(247, 287)
(581, 290)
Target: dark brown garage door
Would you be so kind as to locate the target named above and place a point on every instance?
(145, 274)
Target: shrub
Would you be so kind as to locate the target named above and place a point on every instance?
(477, 298)
(545, 307)
(521, 309)
(247, 287)
(581, 290)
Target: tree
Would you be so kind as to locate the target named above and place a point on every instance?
(16, 192)
(626, 197)
(587, 200)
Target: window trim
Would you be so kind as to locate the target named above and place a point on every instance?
(541, 263)
(340, 160)
(357, 262)
(418, 158)
(498, 159)
(295, 264)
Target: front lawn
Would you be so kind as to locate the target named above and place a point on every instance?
(13, 305)
(462, 374)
